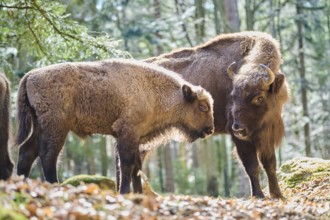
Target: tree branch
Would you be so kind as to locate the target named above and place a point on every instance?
(16, 7)
(64, 34)
(178, 7)
(34, 34)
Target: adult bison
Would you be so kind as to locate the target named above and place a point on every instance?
(137, 103)
(6, 165)
(242, 73)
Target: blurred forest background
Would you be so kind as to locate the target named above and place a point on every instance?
(35, 33)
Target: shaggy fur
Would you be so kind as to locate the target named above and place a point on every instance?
(262, 126)
(6, 165)
(133, 101)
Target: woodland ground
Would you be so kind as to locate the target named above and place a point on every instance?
(308, 197)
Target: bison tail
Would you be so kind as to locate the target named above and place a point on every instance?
(24, 114)
(5, 114)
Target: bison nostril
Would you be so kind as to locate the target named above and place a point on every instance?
(242, 132)
(235, 127)
(208, 131)
(238, 130)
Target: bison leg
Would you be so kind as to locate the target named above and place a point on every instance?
(137, 185)
(136, 180)
(128, 154)
(248, 154)
(50, 148)
(269, 164)
(7, 167)
(28, 152)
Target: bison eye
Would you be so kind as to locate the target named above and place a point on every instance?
(258, 100)
(203, 108)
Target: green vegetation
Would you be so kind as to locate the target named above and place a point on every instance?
(6, 214)
(302, 169)
(103, 182)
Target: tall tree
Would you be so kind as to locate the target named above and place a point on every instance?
(195, 164)
(217, 20)
(272, 18)
(251, 7)
(302, 73)
(199, 20)
(104, 156)
(229, 9)
(249, 14)
(168, 163)
(157, 13)
(179, 8)
(160, 168)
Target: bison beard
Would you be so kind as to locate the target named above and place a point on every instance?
(245, 106)
(192, 134)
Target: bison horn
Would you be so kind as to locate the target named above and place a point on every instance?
(230, 70)
(271, 76)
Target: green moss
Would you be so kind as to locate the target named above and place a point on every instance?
(303, 169)
(10, 215)
(103, 182)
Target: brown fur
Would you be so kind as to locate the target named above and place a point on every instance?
(206, 65)
(6, 165)
(133, 101)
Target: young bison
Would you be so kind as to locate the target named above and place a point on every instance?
(6, 165)
(248, 97)
(135, 102)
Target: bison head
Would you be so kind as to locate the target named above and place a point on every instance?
(254, 99)
(197, 115)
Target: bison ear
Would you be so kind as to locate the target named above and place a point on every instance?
(277, 84)
(188, 94)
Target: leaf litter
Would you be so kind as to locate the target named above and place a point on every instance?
(36, 200)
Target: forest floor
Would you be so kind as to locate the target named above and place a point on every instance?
(33, 199)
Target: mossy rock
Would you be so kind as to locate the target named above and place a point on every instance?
(10, 215)
(103, 182)
(303, 169)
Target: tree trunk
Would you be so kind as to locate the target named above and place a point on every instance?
(211, 166)
(278, 24)
(199, 20)
(225, 167)
(216, 10)
(157, 13)
(302, 72)
(243, 186)
(249, 13)
(232, 21)
(104, 156)
(169, 181)
(195, 164)
(328, 21)
(272, 18)
(160, 168)
(179, 10)
(89, 153)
